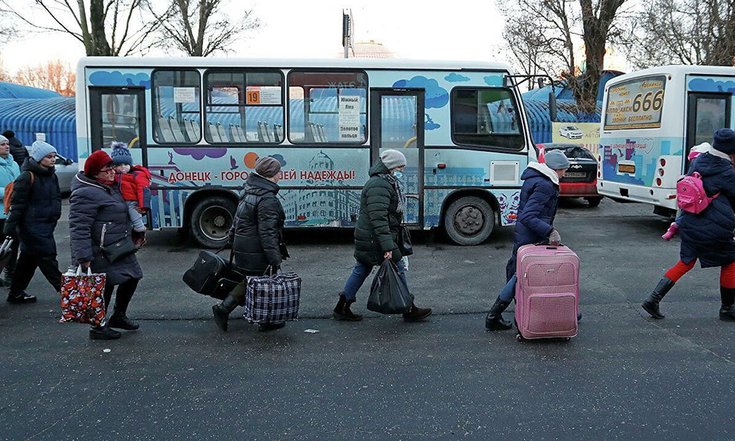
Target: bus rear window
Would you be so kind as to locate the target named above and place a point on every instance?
(635, 104)
(485, 118)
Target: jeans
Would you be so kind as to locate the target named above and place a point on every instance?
(360, 272)
(509, 290)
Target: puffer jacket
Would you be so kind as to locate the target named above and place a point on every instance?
(378, 223)
(136, 186)
(35, 209)
(708, 236)
(92, 207)
(18, 151)
(536, 210)
(257, 235)
(9, 171)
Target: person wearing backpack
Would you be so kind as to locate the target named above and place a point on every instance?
(35, 208)
(707, 235)
(9, 171)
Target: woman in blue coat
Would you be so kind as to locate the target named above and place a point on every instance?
(536, 212)
(708, 236)
(9, 171)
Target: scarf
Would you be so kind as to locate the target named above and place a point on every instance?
(397, 187)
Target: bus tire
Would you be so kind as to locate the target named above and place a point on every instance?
(469, 220)
(211, 220)
(594, 201)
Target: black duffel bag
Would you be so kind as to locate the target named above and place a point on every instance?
(212, 275)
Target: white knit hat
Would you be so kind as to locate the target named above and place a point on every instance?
(392, 159)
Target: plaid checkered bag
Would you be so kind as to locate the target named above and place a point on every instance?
(272, 299)
(82, 297)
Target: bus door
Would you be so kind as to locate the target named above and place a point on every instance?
(117, 114)
(397, 122)
(707, 113)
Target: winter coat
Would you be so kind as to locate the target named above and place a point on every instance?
(257, 235)
(91, 206)
(708, 236)
(536, 210)
(378, 223)
(18, 151)
(136, 186)
(35, 209)
(9, 170)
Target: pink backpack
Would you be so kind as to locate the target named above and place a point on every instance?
(690, 194)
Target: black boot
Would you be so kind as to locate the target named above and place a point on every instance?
(651, 303)
(222, 311)
(119, 318)
(727, 310)
(103, 332)
(416, 314)
(494, 320)
(342, 310)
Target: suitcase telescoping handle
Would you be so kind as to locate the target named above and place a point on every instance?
(548, 245)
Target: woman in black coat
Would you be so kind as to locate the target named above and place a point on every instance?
(707, 236)
(97, 210)
(35, 208)
(256, 236)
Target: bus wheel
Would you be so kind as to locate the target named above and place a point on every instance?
(469, 221)
(211, 221)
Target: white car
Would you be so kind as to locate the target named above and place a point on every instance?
(570, 132)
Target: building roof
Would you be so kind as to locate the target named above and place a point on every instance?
(12, 90)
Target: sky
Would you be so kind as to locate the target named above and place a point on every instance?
(459, 30)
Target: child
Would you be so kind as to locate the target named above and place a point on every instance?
(135, 182)
(693, 153)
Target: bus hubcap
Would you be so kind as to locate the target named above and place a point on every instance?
(215, 223)
(469, 220)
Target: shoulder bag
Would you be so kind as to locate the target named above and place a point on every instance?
(117, 250)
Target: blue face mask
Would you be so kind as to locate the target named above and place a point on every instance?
(398, 174)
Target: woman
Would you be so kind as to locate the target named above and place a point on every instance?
(9, 171)
(707, 236)
(536, 212)
(35, 208)
(98, 209)
(376, 233)
(257, 235)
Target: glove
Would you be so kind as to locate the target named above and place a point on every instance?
(554, 237)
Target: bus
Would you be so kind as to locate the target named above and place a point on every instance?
(200, 124)
(650, 121)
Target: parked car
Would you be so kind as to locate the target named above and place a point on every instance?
(570, 132)
(66, 169)
(580, 181)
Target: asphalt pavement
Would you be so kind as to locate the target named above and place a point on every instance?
(625, 377)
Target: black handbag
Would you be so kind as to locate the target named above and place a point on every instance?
(212, 275)
(117, 250)
(405, 246)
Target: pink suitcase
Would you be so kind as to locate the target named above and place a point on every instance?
(547, 292)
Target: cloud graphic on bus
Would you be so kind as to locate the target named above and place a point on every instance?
(493, 80)
(702, 85)
(199, 153)
(116, 78)
(456, 78)
(436, 96)
(429, 123)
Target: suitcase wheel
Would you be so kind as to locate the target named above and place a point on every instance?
(520, 338)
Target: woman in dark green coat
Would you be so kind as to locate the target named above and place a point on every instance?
(381, 213)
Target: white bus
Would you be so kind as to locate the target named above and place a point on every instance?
(650, 121)
(199, 125)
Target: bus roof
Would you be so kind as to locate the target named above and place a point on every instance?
(351, 63)
(676, 70)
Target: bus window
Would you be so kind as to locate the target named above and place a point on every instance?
(244, 106)
(177, 108)
(707, 113)
(327, 107)
(485, 117)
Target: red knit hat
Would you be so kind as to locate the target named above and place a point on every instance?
(96, 162)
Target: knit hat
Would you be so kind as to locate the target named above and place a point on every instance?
(724, 141)
(392, 159)
(267, 167)
(121, 154)
(556, 160)
(9, 134)
(3, 139)
(40, 149)
(96, 162)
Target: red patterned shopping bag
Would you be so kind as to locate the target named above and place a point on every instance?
(82, 297)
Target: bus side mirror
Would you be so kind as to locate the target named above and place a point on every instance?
(552, 106)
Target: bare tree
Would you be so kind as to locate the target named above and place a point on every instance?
(104, 27)
(685, 32)
(201, 27)
(52, 75)
(561, 24)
